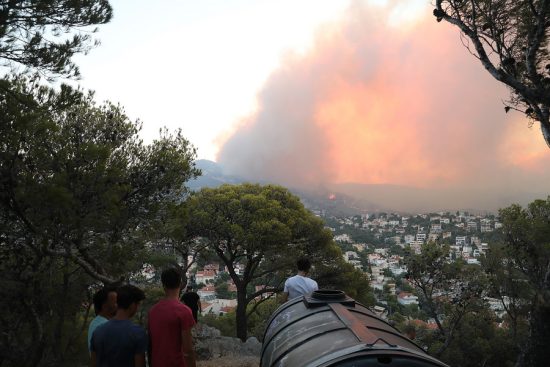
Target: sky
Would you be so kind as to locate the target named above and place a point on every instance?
(197, 65)
(322, 92)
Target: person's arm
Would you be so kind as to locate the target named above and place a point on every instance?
(284, 297)
(93, 360)
(139, 360)
(187, 347)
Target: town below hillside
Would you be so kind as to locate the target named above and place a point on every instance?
(376, 244)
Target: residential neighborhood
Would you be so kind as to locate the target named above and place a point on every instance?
(377, 245)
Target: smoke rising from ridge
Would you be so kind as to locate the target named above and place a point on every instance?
(378, 104)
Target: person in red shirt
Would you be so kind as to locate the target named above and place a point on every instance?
(170, 323)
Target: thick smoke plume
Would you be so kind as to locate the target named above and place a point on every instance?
(374, 103)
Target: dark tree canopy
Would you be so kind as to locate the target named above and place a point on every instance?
(77, 182)
(526, 260)
(511, 40)
(262, 230)
(447, 290)
(43, 35)
(82, 201)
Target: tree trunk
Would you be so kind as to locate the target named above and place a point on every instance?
(61, 314)
(537, 352)
(241, 319)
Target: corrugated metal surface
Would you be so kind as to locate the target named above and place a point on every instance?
(331, 329)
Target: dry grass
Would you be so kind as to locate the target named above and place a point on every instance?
(230, 362)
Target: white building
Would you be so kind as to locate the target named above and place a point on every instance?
(207, 293)
(381, 251)
(461, 240)
(435, 228)
(486, 228)
(205, 276)
(343, 238)
(406, 298)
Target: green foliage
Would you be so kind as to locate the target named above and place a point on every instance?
(43, 35)
(222, 291)
(520, 271)
(44, 312)
(77, 182)
(258, 316)
(337, 274)
(264, 229)
(511, 40)
(447, 290)
(478, 342)
(224, 323)
(257, 320)
(79, 196)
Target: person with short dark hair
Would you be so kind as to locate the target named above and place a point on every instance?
(299, 284)
(170, 323)
(105, 308)
(193, 301)
(119, 342)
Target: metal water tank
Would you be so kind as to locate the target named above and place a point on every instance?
(328, 328)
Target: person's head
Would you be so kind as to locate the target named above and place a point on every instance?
(171, 279)
(105, 302)
(303, 264)
(129, 297)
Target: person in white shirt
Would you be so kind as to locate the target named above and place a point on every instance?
(299, 284)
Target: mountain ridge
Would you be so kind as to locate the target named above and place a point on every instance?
(356, 198)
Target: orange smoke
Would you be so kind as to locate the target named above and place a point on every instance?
(376, 104)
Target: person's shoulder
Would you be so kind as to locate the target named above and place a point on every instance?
(100, 328)
(136, 329)
(175, 306)
(154, 308)
(292, 278)
(98, 320)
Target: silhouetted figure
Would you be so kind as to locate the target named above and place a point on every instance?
(193, 301)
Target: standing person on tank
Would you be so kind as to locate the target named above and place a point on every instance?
(299, 284)
(170, 323)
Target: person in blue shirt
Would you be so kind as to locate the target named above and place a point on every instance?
(104, 307)
(119, 342)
